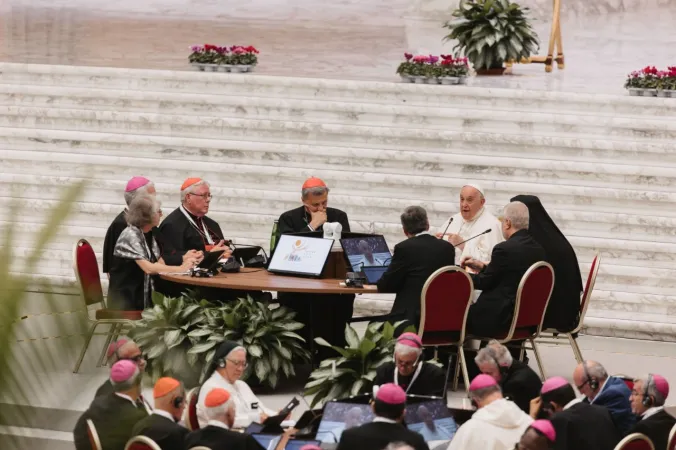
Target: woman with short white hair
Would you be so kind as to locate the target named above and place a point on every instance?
(138, 257)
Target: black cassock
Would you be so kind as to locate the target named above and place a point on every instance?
(430, 381)
(165, 432)
(217, 438)
(656, 427)
(584, 427)
(324, 315)
(521, 384)
(113, 417)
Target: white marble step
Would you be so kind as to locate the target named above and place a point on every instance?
(309, 88)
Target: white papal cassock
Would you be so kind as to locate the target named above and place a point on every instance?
(481, 247)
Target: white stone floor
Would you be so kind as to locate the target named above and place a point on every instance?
(347, 39)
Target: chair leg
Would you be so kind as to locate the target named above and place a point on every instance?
(463, 363)
(109, 338)
(543, 375)
(456, 372)
(523, 351)
(448, 371)
(576, 348)
(88, 339)
(118, 331)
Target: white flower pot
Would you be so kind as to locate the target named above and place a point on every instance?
(406, 78)
(634, 92)
(449, 80)
(419, 80)
(666, 93)
(462, 80)
(224, 67)
(433, 80)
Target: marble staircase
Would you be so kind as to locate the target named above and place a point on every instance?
(602, 165)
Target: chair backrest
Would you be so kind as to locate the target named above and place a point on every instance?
(190, 413)
(444, 302)
(93, 436)
(201, 447)
(141, 443)
(628, 381)
(588, 288)
(635, 441)
(672, 439)
(532, 298)
(87, 272)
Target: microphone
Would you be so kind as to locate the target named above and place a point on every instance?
(480, 234)
(387, 260)
(450, 221)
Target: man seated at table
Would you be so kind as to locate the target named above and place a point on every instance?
(409, 371)
(518, 381)
(324, 315)
(498, 281)
(413, 261)
(647, 402)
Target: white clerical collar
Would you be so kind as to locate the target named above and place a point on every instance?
(218, 423)
(126, 397)
(161, 412)
(384, 420)
(423, 232)
(651, 411)
(600, 390)
(573, 402)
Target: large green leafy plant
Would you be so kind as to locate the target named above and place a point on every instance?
(490, 32)
(353, 371)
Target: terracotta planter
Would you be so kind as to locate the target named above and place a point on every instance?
(493, 71)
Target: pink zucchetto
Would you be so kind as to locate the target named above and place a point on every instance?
(115, 347)
(392, 394)
(546, 428)
(410, 340)
(661, 384)
(136, 183)
(553, 383)
(122, 371)
(482, 381)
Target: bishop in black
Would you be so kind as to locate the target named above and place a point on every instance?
(647, 402)
(324, 315)
(163, 430)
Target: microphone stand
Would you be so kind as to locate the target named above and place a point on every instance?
(474, 237)
(450, 221)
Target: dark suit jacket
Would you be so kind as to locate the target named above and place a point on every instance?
(584, 427)
(105, 389)
(166, 433)
(217, 438)
(615, 398)
(656, 427)
(414, 260)
(378, 435)
(498, 283)
(521, 384)
(431, 381)
(182, 235)
(114, 417)
(297, 220)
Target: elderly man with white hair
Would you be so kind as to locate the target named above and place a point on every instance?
(409, 371)
(472, 220)
(498, 281)
(217, 434)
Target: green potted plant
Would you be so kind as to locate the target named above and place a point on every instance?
(353, 370)
(490, 32)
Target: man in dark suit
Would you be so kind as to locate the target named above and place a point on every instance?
(414, 260)
(592, 380)
(323, 315)
(162, 425)
(114, 415)
(217, 435)
(122, 349)
(386, 428)
(578, 425)
(498, 281)
(647, 402)
(518, 381)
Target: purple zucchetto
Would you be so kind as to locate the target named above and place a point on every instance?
(482, 381)
(122, 371)
(553, 383)
(546, 428)
(392, 394)
(135, 183)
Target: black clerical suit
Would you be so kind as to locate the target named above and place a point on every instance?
(378, 435)
(498, 282)
(413, 261)
(324, 315)
(430, 381)
(520, 384)
(113, 417)
(657, 427)
(105, 389)
(164, 431)
(217, 438)
(584, 427)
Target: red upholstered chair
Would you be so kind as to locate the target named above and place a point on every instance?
(444, 304)
(93, 436)
(190, 413)
(532, 297)
(201, 447)
(635, 441)
(629, 381)
(672, 439)
(141, 443)
(87, 275)
(552, 336)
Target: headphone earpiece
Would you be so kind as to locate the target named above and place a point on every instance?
(177, 402)
(647, 399)
(221, 363)
(593, 382)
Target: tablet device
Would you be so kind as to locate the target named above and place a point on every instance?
(244, 254)
(267, 441)
(300, 255)
(431, 419)
(340, 416)
(211, 259)
(276, 421)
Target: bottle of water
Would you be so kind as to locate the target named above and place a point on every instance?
(273, 236)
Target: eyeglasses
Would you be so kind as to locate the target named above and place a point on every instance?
(579, 388)
(406, 364)
(239, 364)
(207, 196)
(138, 358)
